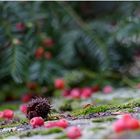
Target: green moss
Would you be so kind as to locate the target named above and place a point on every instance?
(104, 119)
(40, 132)
(97, 129)
(103, 108)
(8, 134)
(91, 109)
(14, 124)
(62, 137)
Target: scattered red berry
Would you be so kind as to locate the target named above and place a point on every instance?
(126, 117)
(75, 93)
(1, 114)
(23, 108)
(62, 123)
(132, 124)
(20, 26)
(119, 126)
(138, 86)
(127, 122)
(36, 122)
(39, 52)
(59, 84)
(86, 93)
(48, 42)
(95, 88)
(107, 89)
(50, 124)
(32, 85)
(26, 98)
(48, 55)
(66, 93)
(8, 114)
(73, 132)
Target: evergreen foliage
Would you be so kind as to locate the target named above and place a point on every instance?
(87, 40)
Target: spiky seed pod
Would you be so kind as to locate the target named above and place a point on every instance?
(39, 107)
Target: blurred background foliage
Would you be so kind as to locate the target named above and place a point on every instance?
(86, 43)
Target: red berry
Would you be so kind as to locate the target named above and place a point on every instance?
(126, 117)
(86, 93)
(66, 93)
(95, 88)
(75, 93)
(73, 132)
(48, 55)
(20, 26)
(50, 124)
(138, 86)
(62, 123)
(23, 108)
(1, 114)
(36, 122)
(107, 89)
(32, 85)
(132, 124)
(26, 98)
(119, 126)
(8, 114)
(39, 52)
(59, 84)
(48, 42)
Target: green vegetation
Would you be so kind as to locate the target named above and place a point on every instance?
(103, 108)
(14, 123)
(97, 129)
(40, 132)
(104, 119)
(8, 134)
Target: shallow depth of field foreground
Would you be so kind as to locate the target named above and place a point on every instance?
(69, 70)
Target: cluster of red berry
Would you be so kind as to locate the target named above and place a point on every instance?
(127, 122)
(41, 52)
(77, 93)
(72, 132)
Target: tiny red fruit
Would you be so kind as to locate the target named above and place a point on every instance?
(1, 114)
(126, 117)
(62, 123)
(138, 86)
(73, 132)
(20, 26)
(75, 93)
(36, 122)
(48, 55)
(48, 42)
(23, 108)
(59, 84)
(132, 124)
(119, 126)
(107, 89)
(86, 93)
(26, 98)
(50, 124)
(32, 85)
(95, 88)
(8, 114)
(39, 52)
(66, 92)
